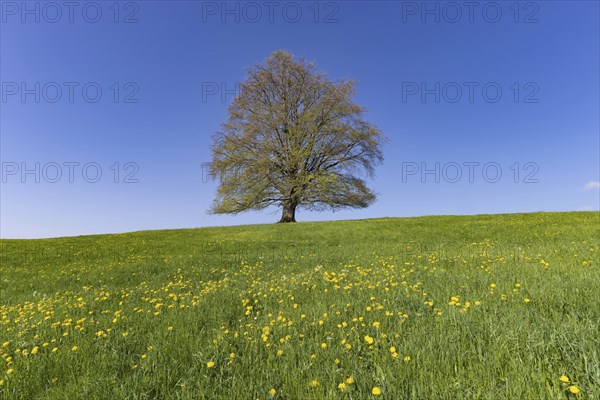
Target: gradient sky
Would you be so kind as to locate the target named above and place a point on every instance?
(166, 63)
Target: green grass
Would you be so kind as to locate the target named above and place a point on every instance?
(259, 301)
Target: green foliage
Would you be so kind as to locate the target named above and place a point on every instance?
(293, 139)
(486, 307)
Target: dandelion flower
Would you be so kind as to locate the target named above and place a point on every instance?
(376, 391)
(314, 383)
(369, 339)
(74, 348)
(407, 358)
(342, 387)
(564, 378)
(272, 392)
(574, 389)
(210, 364)
(350, 381)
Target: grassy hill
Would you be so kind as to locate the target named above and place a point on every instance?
(490, 306)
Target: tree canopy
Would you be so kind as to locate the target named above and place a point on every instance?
(294, 139)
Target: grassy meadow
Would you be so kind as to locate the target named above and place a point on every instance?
(457, 307)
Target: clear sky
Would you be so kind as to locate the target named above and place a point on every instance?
(136, 91)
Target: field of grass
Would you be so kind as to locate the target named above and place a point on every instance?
(481, 307)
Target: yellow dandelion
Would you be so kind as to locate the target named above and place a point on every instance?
(272, 392)
(10, 371)
(74, 348)
(376, 391)
(210, 364)
(342, 387)
(350, 380)
(407, 358)
(574, 389)
(376, 325)
(170, 328)
(314, 383)
(564, 378)
(323, 345)
(35, 350)
(369, 339)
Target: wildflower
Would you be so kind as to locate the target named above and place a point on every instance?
(350, 380)
(407, 358)
(210, 364)
(392, 349)
(279, 352)
(35, 350)
(1, 382)
(376, 325)
(369, 339)
(564, 378)
(74, 348)
(314, 383)
(272, 392)
(376, 391)
(342, 387)
(10, 371)
(574, 389)
(526, 300)
(170, 328)
(54, 350)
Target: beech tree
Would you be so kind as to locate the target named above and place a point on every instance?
(294, 139)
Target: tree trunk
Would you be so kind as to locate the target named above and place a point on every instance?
(289, 212)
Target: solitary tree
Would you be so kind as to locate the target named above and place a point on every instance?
(293, 139)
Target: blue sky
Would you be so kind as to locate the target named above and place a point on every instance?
(136, 92)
